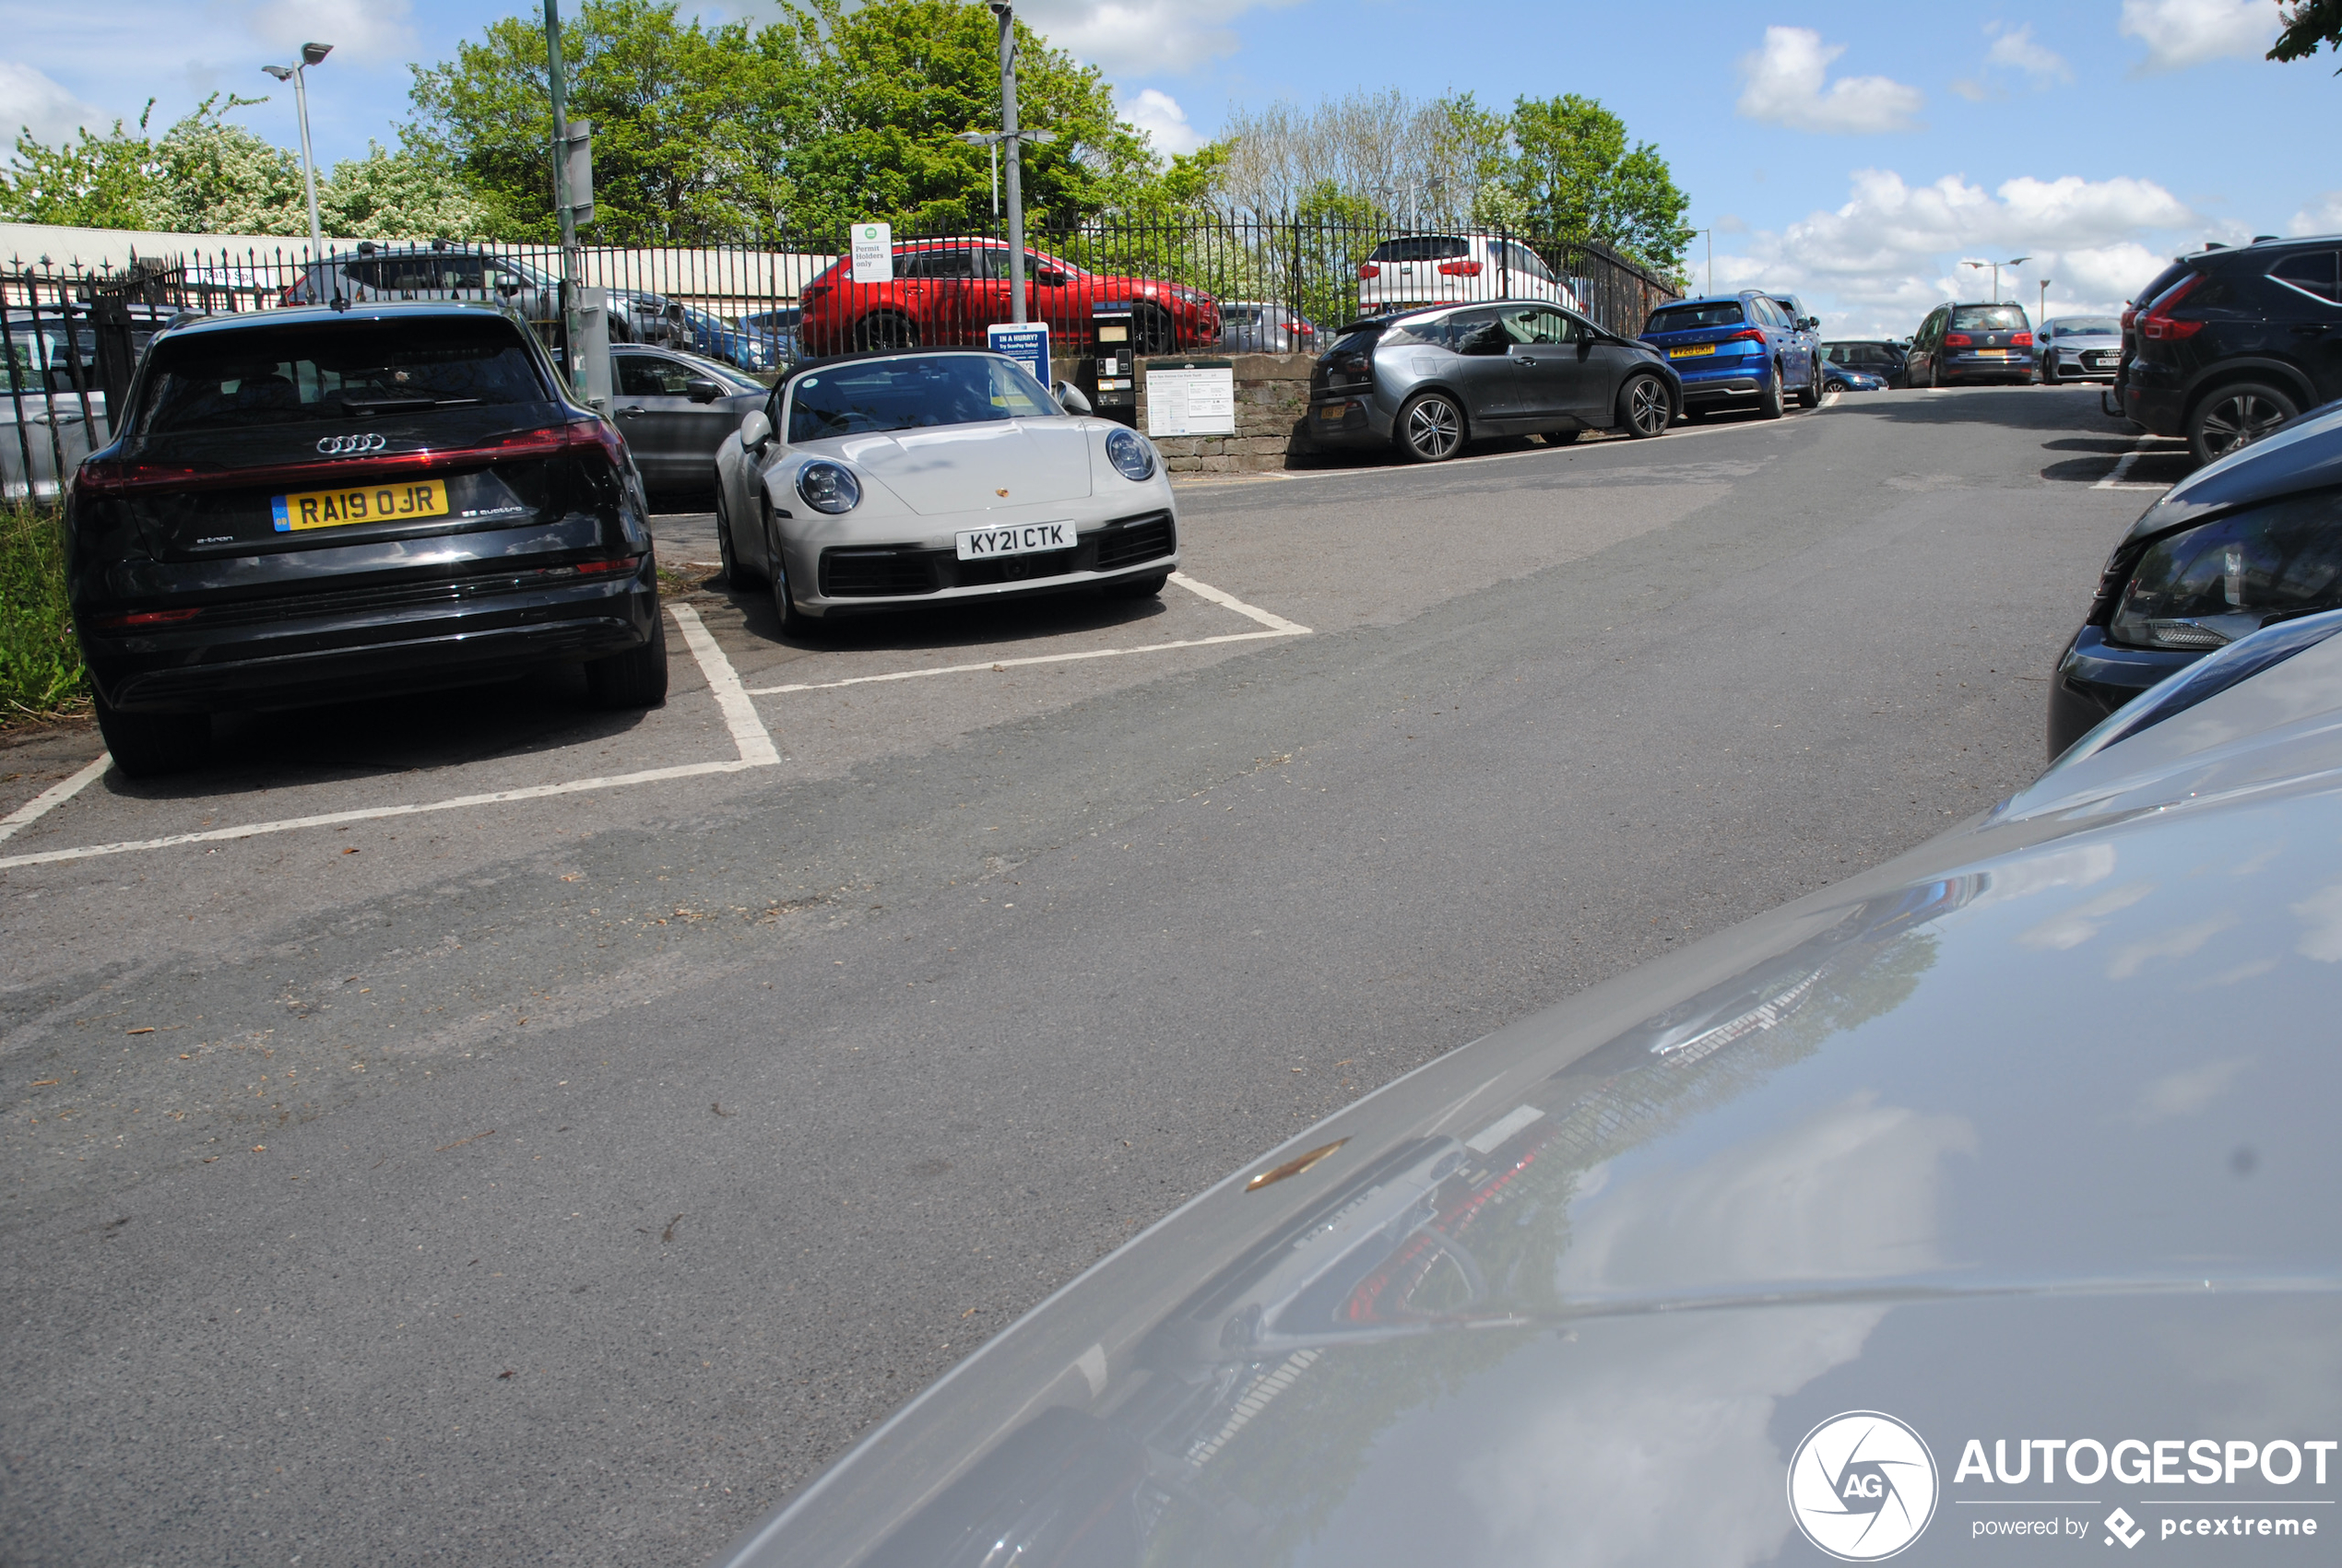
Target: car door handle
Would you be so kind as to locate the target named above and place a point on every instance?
(2310, 329)
(1527, 359)
(630, 413)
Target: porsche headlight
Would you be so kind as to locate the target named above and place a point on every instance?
(1130, 454)
(2204, 587)
(828, 487)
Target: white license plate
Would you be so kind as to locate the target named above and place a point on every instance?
(1026, 538)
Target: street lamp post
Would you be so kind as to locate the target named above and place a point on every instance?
(1997, 266)
(1710, 235)
(311, 55)
(1013, 138)
(990, 141)
(2042, 308)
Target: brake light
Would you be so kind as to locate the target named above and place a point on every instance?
(2022, 341)
(812, 293)
(114, 476)
(597, 568)
(2159, 324)
(1460, 269)
(1957, 340)
(145, 618)
(1747, 335)
(1369, 270)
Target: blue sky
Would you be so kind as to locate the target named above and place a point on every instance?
(1855, 153)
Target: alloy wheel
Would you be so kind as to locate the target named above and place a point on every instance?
(1647, 406)
(1434, 429)
(2238, 420)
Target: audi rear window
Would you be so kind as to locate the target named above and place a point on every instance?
(1686, 318)
(1420, 247)
(277, 375)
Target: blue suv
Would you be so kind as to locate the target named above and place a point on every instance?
(1738, 350)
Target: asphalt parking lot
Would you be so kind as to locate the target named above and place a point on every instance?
(557, 1134)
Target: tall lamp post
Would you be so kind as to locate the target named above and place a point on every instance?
(1013, 138)
(1710, 235)
(311, 55)
(1997, 266)
(2042, 308)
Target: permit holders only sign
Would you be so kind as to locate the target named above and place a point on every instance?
(1191, 398)
(1027, 343)
(874, 252)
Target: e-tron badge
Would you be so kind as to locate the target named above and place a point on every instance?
(1862, 1486)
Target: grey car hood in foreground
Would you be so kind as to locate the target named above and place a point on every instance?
(2025, 1141)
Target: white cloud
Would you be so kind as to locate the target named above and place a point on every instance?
(2016, 49)
(2185, 1093)
(371, 32)
(1159, 115)
(1876, 264)
(1785, 87)
(1141, 37)
(42, 106)
(2180, 33)
(2322, 216)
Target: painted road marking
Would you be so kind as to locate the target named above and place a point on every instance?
(56, 795)
(753, 741)
(2114, 479)
(1278, 627)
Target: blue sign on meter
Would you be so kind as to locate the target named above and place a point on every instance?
(1027, 345)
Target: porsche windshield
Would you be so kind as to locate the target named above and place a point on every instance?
(914, 393)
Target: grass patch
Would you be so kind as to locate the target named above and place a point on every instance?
(40, 660)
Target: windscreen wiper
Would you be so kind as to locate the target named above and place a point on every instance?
(366, 408)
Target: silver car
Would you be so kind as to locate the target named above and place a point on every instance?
(675, 410)
(1986, 1194)
(1428, 382)
(2079, 349)
(894, 480)
(1261, 326)
(437, 271)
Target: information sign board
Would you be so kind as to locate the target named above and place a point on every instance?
(1191, 398)
(1027, 344)
(874, 252)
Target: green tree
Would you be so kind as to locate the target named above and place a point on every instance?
(1576, 179)
(398, 194)
(88, 182)
(687, 121)
(893, 83)
(211, 177)
(2307, 24)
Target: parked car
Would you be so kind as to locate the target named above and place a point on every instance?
(916, 477)
(1760, 1253)
(2253, 539)
(637, 316)
(1258, 326)
(1736, 351)
(1960, 344)
(1880, 357)
(1428, 382)
(437, 271)
(1809, 326)
(675, 410)
(2240, 341)
(947, 292)
(2079, 349)
(310, 505)
(1845, 378)
(780, 327)
(1438, 269)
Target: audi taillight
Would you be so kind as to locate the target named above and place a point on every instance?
(1369, 270)
(1957, 340)
(2160, 326)
(1460, 269)
(111, 477)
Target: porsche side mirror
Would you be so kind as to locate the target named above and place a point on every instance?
(756, 430)
(702, 391)
(1070, 399)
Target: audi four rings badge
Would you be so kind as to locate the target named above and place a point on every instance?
(334, 445)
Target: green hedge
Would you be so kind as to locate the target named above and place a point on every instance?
(39, 661)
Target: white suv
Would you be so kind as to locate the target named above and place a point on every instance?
(1446, 269)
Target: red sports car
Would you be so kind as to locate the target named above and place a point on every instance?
(947, 292)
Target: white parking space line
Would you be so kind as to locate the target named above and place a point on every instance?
(740, 714)
(2114, 479)
(1229, 601)
(754, 742)
(56, 795)
(1278, 627)
(1829, 399)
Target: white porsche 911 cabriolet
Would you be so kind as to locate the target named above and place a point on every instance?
(878, 482)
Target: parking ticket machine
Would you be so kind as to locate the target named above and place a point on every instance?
(1114, 390)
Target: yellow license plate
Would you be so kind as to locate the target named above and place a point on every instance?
(1691, 351)
(370, 503)
(1993, 353)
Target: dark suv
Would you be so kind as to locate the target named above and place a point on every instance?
(2236, 342)
(307, 505)
(1958, 344)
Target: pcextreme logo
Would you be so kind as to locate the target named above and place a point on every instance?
(1862, 1486)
